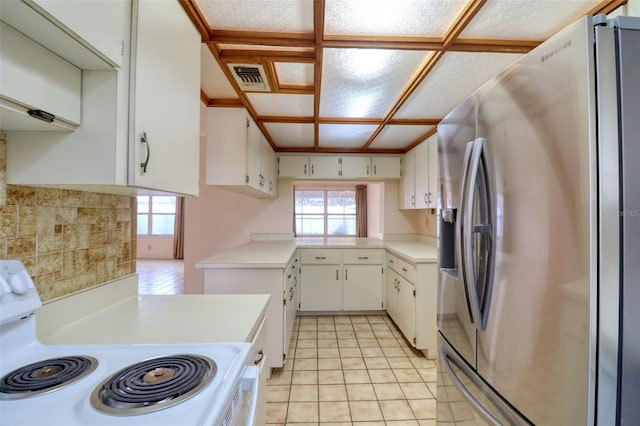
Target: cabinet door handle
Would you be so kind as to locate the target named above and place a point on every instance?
(367, 170)
(312, 169)
(337, 276)
(145, 163)
(429, 197)
(390, 260)
(413, 200)
(321, 257)
(375, 171)
(404, 270)
(346, 274)
(363, 257)
(257, 361)
(305, 169)
(426, 198)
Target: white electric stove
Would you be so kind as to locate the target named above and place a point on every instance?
(147, 384)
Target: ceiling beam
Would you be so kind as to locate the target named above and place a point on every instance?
(468, 13)
(494, 46)
(261, 38)
(225, 103)
(605, 7)
(318, 33)
(422, 138)
(196, 17)
(258, 55)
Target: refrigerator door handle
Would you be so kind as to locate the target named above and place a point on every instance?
(459, 238)
(468, 231)
(444, 358)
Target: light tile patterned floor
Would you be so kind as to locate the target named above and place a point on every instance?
(160, 276)
(352, 370)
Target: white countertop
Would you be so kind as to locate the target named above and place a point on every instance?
(254, 254)
(192, 318)
(276, 254)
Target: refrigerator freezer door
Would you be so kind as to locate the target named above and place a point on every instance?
(538, 120)
(629, 70)
(464, 398)
(455, 317)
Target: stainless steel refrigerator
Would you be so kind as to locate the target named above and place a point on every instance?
(539, 233)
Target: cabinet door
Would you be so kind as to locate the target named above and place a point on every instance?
(165, 98)
(386, 167)
(266, 167)
(433, 172)
(422, 175)
(407, 201)
(407, 309)
(355, 166)
(324, 166)
(391, 294)
(321, 288)
(362, 287)
(101, 24)
(293, 166)
(254, 155)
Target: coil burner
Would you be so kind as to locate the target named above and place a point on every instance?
(45, 376)
(153, 384)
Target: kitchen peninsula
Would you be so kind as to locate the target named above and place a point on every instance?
(342, 275)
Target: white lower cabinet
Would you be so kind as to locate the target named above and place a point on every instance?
(411, 301)
(321, 288)
(362, 289)
(282, 307)
(341, 279)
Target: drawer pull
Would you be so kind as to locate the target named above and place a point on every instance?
(404, 270)
(363, 257)
(321, 257)
(390, 260)
(257, 361)
(288, 276)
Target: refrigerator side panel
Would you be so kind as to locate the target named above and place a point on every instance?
(629, 89)
(538, 122)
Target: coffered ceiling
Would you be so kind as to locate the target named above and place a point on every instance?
(364, 75)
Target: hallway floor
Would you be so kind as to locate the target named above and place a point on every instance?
(160, 276)
(352, 370)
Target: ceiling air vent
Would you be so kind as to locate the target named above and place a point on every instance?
(250, 77)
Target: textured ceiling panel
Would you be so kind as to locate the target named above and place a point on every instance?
(426, 18)
(282, 104)
(291, 135)
(398, 137)
(252, 15)
(524, 20)
(365, 82)
(213, 82)
(344, 135)
(455, 76)
(295, 73)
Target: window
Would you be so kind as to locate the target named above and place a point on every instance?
(325, 213)
(156, 215)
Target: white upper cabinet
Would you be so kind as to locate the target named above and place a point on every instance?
(165, 83)
(347, 166)
(408, 183)
(145, 109)
(386, 167)
(324, 166)
(420, 177)
(355, 166)
(99, 23)
(39, 90)
(239, 158)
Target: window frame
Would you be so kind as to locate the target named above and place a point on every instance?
(150, 215)
(326, 215)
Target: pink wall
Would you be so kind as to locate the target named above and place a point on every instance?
(155, 247)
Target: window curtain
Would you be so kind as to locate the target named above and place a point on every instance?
(361, 210)
(178, 230)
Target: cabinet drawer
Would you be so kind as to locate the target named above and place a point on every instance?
(360, 256)
(321, 256)
(402, 267)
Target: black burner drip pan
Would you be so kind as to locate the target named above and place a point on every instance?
(45, 376)
(153, 384)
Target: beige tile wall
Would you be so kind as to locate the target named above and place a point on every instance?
(68, 240)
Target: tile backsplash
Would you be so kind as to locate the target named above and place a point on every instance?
(68, 240)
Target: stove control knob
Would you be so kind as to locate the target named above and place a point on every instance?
(4, 287)
(20, 282)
